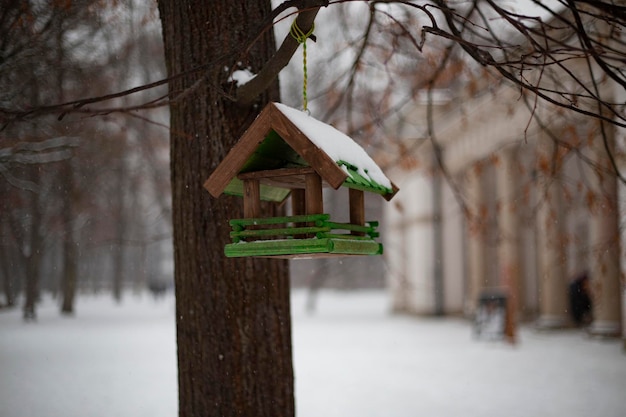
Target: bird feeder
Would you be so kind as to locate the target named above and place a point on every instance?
(287, 153)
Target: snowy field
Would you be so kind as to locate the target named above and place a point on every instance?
(351, 359)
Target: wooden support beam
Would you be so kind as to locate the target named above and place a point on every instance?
(251, 198)
(357, 208)
(274, 173)
(298, 201)
(239, 154)
(313, 194)
(298, 207)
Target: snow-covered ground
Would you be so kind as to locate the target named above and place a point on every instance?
(352, 358)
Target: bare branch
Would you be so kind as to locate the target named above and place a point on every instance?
(248, 92)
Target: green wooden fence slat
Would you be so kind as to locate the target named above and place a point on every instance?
(350, 227)
(303, 246)
(278, 232)
(280, 220)
(293, 237)
(322, 235)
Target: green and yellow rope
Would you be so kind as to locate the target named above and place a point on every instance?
(301, 37)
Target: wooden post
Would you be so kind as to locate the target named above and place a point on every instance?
(298, 207)
(314, 199)
(251, 198)
(357, 208)
(313, 194)
(298, 201)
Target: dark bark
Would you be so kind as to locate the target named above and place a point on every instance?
(121, 225)
(70, 255)
(33, 252)
(8, 280)
(232, 315)
(8, 261)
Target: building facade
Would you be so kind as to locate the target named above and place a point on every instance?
(510, 197)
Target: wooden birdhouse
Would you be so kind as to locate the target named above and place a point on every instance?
(286, 152)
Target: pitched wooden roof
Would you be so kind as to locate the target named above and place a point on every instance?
(275, 148)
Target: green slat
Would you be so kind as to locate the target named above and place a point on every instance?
(369, 189)
(278, 232)
(280, 220)
(322, 235)
(278, 247)
(294, 240)
(357, 247)
(356, 177)
(357, 181)
(303, 246)
(350, 227)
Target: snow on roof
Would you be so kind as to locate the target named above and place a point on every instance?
(337, 145)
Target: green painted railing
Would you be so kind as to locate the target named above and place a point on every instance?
(301, 236)
(297, 227)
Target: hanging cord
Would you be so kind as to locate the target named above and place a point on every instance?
(301, 38)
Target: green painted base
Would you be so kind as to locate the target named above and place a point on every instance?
(300, 248)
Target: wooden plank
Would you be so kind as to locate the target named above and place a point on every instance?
(314, 156)
(273, 173)
(389, 196)
(314, 199)
(290, 178)
(290, 183)
(239, 154)
(251, 198)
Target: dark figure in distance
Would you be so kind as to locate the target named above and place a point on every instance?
(157, 288)
(580, 300)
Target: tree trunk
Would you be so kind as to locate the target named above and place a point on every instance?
(8, 282)
(7, 265)
(70, 257)
(33, 253)
(232, 315)
(121, 226)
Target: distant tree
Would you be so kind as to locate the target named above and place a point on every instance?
(49, 52)
(37, 166)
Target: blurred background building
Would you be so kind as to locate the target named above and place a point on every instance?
(508, 195)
